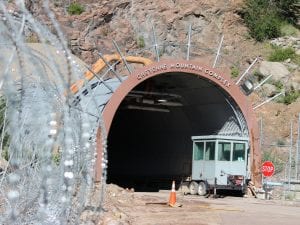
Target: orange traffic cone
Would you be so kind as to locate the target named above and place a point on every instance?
(172, 200)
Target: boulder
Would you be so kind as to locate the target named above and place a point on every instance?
(269, 90)
(295, 80)
(278, 70)
(286, 42)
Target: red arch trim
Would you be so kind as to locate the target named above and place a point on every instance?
(191, 67)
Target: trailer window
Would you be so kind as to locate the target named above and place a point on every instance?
(238, 152)
(199, 151)
(224, 149)
(210, 151)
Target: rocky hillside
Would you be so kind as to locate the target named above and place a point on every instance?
(129, 23)
(127, 20)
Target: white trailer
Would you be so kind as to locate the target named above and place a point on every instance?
(219, 162)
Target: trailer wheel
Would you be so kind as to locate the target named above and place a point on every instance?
(202, 189)
(193, 187)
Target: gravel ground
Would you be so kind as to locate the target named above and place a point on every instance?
(141, 208)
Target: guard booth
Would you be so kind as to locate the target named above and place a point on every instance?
(219, 162)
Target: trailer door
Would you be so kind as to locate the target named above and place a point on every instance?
(209, 161)
(198, 157)
(223, 163)
(239, 158)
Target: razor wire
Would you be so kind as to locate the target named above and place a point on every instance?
(51, 152)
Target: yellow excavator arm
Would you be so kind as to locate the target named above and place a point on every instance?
(100, 64)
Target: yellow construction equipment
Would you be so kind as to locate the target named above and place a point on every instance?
(100, 64)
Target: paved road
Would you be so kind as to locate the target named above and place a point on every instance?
(149, 208)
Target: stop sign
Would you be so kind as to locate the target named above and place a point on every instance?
(268, 169)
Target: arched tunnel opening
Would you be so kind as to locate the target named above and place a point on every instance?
(149, 142)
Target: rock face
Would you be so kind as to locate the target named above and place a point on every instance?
(276, 69)
(288, 74)
(288, 42)
(127, 21)
(269, 90)
(295, 80)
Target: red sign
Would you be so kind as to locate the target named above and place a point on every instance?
(268, 169)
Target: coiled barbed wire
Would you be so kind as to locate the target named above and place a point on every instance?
(51, 153)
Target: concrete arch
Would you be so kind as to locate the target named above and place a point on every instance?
(191, 67)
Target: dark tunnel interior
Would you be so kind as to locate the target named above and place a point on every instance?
(150, 138)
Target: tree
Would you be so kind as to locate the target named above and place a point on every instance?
(289, 9)
(262, 20)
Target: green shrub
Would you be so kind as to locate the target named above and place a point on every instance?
(278, 84)
(141, 42)
(56, 157)
(258, 75)
(281, 54)
(234, 72)
(266, 18)
(75, 9)
(291, 97)
(263, 21)
(264, 27)
(288, 9)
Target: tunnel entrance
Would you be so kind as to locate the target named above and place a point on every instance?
(149, 141)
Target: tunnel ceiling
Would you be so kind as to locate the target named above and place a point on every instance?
(150, 136)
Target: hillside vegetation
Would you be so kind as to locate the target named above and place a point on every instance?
(265, 19)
